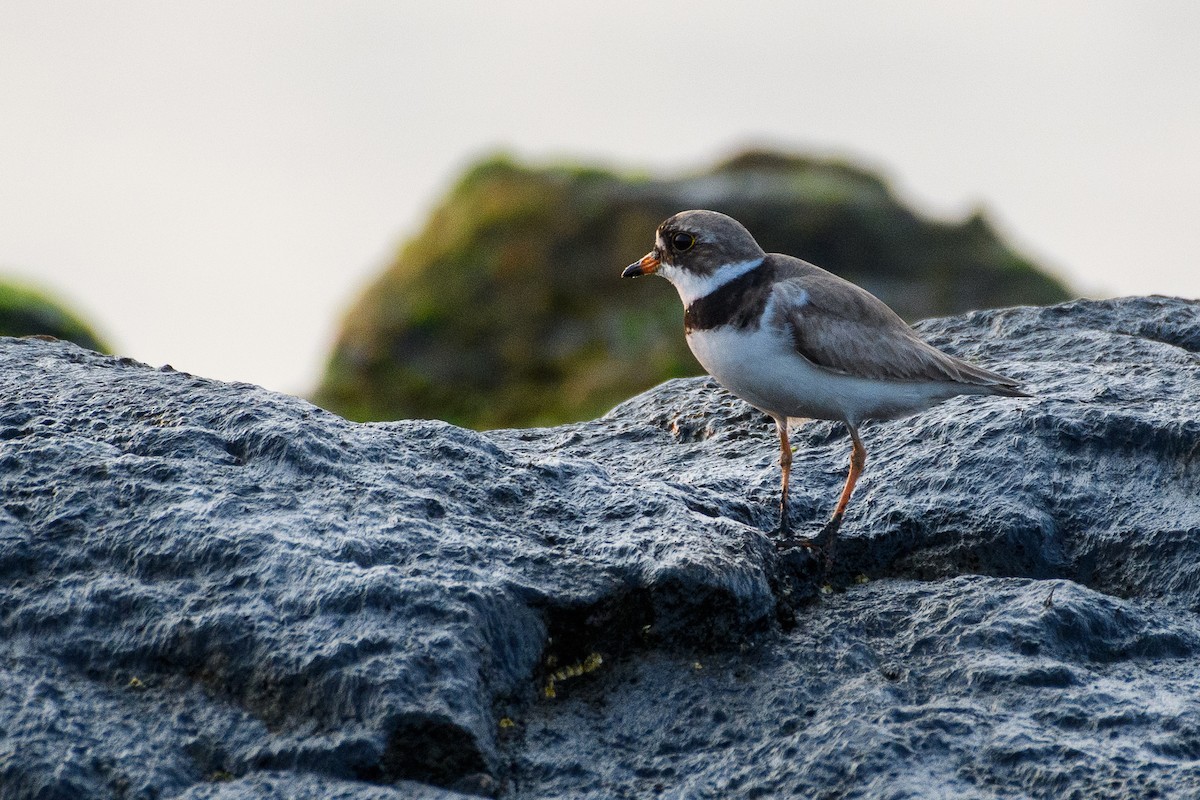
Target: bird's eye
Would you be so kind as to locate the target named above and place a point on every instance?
(682, 241)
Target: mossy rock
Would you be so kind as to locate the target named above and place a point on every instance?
(508, 310)
(25, 311)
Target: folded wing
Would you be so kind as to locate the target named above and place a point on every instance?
(843, 328)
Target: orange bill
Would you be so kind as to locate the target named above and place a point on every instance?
(647, 266)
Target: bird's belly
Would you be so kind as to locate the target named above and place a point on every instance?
(763, 369)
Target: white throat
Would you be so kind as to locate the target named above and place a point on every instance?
(692, 287)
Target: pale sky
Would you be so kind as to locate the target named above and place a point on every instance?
(212, 183)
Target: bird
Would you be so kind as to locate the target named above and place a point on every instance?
(798, 342)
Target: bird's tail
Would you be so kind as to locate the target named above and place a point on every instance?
(978, 380)
(1010, 389)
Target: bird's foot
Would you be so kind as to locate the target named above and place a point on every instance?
(804, 562)
(810, 550)
(820, 545)
(828, 534)
(786, 539)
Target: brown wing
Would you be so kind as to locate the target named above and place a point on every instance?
(846, 329)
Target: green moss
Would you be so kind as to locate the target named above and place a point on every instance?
(25, 311)
(508, 309)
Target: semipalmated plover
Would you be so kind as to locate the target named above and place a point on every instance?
(795, 341)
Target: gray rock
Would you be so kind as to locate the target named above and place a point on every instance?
(211, 591)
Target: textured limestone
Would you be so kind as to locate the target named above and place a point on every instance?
(211, 591)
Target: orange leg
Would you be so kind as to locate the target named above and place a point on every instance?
(858, 460)
(785, 466)
(825, 539)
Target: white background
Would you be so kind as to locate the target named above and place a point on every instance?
(212, 183)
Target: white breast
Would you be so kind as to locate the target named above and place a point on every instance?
(761, 366)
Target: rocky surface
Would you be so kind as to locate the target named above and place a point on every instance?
(505, 310)
(211, 591)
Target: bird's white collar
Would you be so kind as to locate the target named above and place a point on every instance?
(692, 287)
